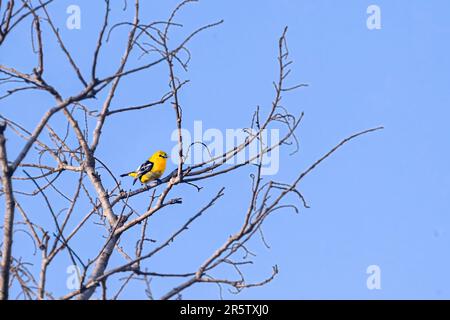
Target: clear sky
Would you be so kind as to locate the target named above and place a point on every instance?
(381, 200)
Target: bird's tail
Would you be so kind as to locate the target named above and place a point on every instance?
(131, 174)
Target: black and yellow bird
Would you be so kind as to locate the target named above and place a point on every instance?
(150, 170)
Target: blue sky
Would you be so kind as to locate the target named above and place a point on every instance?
(381, 200)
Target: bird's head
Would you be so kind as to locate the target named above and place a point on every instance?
(161, 154)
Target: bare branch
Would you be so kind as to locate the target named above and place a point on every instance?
(9, 216)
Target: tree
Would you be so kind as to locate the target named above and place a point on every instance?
(60, 152)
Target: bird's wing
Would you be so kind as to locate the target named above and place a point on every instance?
(143, 169)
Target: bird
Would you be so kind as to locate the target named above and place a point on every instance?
(150, 170)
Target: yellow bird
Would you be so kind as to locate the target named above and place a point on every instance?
(150, 170)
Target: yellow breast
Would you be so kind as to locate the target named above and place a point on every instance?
(152, 175)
